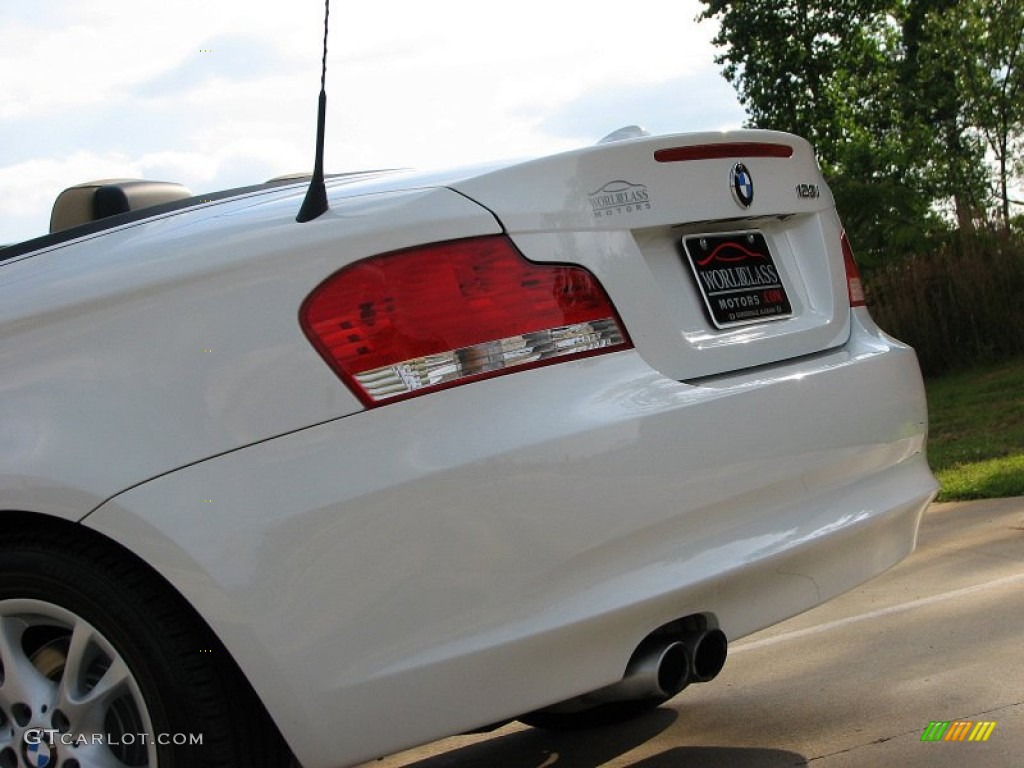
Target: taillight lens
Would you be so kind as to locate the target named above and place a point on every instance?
(854, 286)
(415, 321)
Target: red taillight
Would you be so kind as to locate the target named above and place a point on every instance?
(854, 286)
(415, 321)
(723, 151)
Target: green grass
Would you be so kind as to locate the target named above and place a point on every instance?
(976, 442)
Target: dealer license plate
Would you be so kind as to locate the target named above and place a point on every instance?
(737, 278)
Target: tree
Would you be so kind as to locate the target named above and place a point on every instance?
(988, 67)
(934, 121)
(900, 98)
(795, 63)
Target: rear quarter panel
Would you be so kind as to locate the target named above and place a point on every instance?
(128, 355)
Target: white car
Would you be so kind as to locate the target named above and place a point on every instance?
(527, 441)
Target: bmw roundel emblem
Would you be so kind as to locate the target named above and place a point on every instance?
(37, 754)
(742, 184)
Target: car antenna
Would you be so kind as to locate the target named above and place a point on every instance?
(315, 201)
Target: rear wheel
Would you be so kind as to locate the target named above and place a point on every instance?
(101, 664)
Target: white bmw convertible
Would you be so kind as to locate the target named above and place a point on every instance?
(535, 441)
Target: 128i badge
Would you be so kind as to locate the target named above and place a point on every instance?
(737, 278)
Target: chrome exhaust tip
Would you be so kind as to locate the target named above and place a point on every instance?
(658, 669)
(707, 652)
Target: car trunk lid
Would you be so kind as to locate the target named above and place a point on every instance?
(721, 251)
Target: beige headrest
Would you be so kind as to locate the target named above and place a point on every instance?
(94, 200)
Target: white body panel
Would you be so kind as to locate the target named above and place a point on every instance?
(164, 343)
(388, 576)
(454, 576)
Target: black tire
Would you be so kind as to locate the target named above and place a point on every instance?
(600, 716)
(78, 615)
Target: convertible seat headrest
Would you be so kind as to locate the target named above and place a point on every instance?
(94, 200)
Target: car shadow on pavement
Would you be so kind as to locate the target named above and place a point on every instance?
(537, 748)
(723, 757)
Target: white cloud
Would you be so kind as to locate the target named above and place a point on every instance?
(95, 54)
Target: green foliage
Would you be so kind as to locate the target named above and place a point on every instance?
(986, 69)
(976, 439)
(989, 479)
(902, 99)
(884, 217)
(959, 306)
(807, 67)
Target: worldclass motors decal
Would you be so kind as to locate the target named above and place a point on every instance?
(737, 277)
(619, 197)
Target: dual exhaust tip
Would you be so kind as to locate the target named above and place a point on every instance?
(661, 668)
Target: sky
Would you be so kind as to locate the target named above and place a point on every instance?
(215, 94)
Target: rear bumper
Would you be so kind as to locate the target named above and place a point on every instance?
(444, 562)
